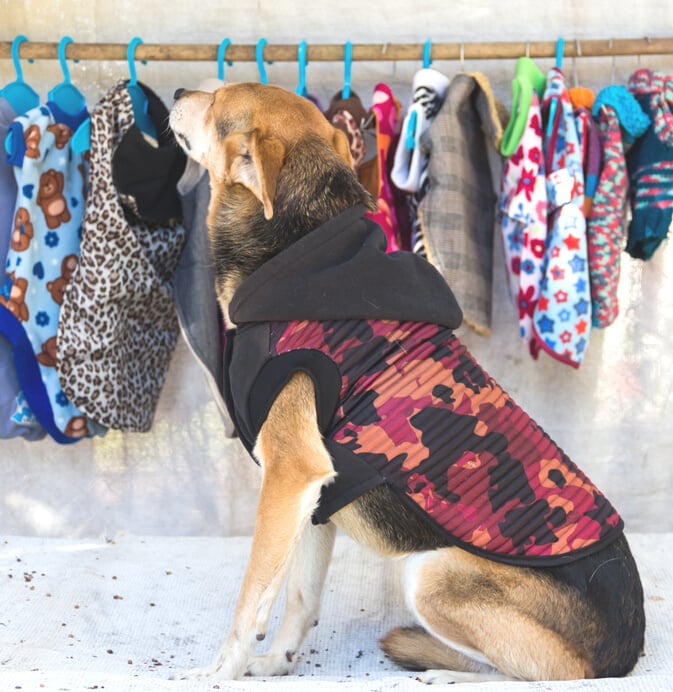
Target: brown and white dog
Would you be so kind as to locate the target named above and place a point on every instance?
(278, 170)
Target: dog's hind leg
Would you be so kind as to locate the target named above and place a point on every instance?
(304, 590)
(494, 618)
(295, 466)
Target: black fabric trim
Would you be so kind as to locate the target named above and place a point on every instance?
(227, 394)
(150, 174)
(354, 478)
(276, 373)
(341, 271)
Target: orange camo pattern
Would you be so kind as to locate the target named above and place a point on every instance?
(415, 404)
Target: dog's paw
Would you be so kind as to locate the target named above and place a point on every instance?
(270, 665)
(223, 671)
(450, 677)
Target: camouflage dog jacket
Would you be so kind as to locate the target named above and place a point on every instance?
(402, 402)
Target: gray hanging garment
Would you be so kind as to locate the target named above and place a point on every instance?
(198, 311)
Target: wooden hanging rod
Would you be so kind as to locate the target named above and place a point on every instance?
(335, 52)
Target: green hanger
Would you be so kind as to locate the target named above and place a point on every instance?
(527, 79)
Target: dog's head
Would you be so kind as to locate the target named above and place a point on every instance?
(242, 133)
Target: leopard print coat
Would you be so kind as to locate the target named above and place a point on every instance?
(118, 324)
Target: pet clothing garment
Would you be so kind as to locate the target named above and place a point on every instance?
(650, 165)
(400, 401)
(348, 114)
(522, 217)
(385, 112)
(118, 325)
(42, 256)
(457, 213)
(429, 89)
(16, 418)
(409, 173)
(620, 122)
(194, 285)
(562, 320)
(590, 146)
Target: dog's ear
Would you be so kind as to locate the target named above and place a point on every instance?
(340, 143)
(255, 161)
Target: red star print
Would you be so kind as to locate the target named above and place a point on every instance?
(555, 252)
(572, 242)
(561, 296)
(581, 327)
(565, 337)
(543, 303)
(557, 273)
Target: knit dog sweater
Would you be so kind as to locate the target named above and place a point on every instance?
(650, 165)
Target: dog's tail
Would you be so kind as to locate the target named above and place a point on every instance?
(414, 648)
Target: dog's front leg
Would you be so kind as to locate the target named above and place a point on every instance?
(302, 608)
(295, 466)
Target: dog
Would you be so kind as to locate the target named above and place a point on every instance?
(282, 191)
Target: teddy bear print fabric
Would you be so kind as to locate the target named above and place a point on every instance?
(118, 326)
(16, 420)
(43, 253)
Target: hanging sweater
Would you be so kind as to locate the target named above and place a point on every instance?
(119, 326)
(457, 213)
(42, 256)
(16, 419)
(562, 319)
(400, 401)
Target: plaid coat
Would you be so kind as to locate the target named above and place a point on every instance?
(457, 214)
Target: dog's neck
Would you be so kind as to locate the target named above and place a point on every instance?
(314, 186)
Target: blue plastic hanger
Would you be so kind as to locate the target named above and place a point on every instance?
(427, 50)
(220, 58)
(20, 95)
(560, 46)
(138, 97)
(66, 95)
(301, 87)
(348, 64)
(260, 60)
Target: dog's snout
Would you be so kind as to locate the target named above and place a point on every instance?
(178, 93)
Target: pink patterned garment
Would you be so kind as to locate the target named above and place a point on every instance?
(606, 227)
(522, 217)
(385, 109)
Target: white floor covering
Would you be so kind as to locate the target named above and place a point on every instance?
(130, 613)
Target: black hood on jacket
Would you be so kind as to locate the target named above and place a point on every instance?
(341, 271)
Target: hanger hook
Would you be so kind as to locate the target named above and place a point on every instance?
(560, 47)
(427, 50)
(220, 58)
(130, 57)
(15, 56)
(260, 60)
(348, 63)
(303, 62)
(578, 54)
(62, 59)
